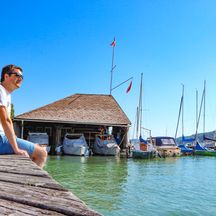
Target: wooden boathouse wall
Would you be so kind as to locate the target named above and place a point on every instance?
(28, 190)
(57, 131)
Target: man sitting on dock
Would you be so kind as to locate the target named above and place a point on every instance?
(11, 79)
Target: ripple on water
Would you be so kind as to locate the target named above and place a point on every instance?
(113, 186)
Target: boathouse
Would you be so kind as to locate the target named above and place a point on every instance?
(78, 113)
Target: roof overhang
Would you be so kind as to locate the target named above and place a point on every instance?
(71, 122)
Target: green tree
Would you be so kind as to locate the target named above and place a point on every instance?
(12, 111)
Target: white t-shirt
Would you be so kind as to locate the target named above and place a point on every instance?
(5, 100)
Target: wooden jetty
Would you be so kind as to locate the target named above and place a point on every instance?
(25, 189)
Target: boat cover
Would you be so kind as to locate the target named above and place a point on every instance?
(74, 145)
(106, 146)
(142, 140)
(198, 147)
(39, 138)
(184, 149)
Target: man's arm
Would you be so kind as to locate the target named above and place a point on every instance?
(7, 125)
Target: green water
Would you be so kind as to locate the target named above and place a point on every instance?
(117, 186)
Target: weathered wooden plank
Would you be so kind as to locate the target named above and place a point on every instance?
(37, 181)
(14, 208)
(64, 203)
(12, 164)
(14, 157)
(28, 186)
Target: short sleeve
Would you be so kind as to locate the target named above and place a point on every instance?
(3, 98)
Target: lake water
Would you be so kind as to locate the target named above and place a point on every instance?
(128, 187)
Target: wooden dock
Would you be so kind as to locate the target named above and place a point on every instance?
(25, 189)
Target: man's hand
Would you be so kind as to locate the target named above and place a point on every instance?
(22, 152)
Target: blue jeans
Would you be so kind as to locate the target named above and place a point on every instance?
(6, 148)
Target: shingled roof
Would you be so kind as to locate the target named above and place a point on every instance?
(80, 109)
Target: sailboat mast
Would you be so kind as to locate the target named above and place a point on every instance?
(182, 111)
(140, 105)
(179, 115)
(137, 123)
(198, 119)
(204, 101)
(196, 107)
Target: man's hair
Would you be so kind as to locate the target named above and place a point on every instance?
(7, 69)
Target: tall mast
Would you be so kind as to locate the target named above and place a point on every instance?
(137, 122)
(198, 119)
(204, 101)
(179, 115)
(182, 111)
(140, 105)
(196, 107)
(113, 66)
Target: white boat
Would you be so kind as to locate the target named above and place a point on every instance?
(75, 144)
(41, 139)
(141, 148)
(166, 146)
(105, 144)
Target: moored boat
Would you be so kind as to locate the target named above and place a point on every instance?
(141, 148)
(75, 144)
(185, 150)
(105, 144)
(166, 146)
(41, 139)
(184, 141)
(200, 150)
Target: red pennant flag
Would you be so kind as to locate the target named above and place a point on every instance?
(129, 87)
(113, 43)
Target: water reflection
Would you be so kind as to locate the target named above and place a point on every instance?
(91, 178)
(118, 187)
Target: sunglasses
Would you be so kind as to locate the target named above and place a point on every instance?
(16, 75)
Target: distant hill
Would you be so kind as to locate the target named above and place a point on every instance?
(211, 135)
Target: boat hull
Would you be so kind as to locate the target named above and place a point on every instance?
(205, 153)
(169, 151)
(77, 150)
(143, 154)
(107, 151)
(185, 150)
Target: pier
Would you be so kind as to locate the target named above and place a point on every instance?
(25, 189)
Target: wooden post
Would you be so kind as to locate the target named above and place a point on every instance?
(22, 129)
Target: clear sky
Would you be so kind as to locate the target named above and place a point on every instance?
(64, 48)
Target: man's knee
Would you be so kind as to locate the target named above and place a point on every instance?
(39, 153)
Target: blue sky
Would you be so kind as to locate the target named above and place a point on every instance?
(64, 48)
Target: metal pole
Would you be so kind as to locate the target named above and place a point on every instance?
(137, 126)
(112, 70)
(180, 108)
(140, 104)
(196, 107)
(204, 107)
(122, 83)
(149, 133)
(182, 111)
(199, 114)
